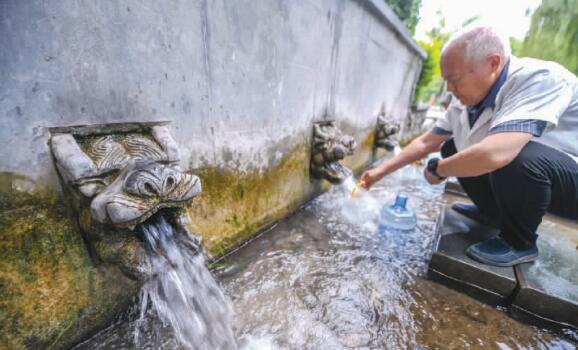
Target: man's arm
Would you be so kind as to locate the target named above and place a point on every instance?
(492, 153)
(417, 149)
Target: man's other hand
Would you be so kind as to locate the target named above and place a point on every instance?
(431, 179)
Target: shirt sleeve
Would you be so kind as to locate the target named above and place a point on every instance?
(538, 96)
(436, 130)
(443, 125)
(530, 126)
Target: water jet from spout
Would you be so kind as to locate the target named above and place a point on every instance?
(182, 292)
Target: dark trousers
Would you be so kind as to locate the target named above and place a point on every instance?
(540, 179)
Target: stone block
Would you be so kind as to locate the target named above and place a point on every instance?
(549, 286)
(543, 292)
(450, 264)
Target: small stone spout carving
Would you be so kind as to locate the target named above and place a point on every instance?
(120, 180)
(384, 129)
(329, 147)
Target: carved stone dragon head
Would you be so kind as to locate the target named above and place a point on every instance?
(117, 181)
(384, 129)
(329, 147)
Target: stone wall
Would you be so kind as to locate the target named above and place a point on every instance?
(241, 83)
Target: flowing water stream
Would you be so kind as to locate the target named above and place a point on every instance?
(182, 293)
(325, 278)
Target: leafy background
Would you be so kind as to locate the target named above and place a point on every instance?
(553, 36)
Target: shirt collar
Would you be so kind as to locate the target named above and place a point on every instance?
(490, 99)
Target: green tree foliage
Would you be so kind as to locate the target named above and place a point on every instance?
(407, 11)
(515, 46)
(426, 85)
(430, 81)
(553, 33)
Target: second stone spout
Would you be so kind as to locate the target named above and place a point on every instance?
(329, 147)
(384, 130)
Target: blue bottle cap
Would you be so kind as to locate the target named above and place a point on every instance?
(400, 201)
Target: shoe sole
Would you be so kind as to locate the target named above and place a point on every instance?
(519, 261)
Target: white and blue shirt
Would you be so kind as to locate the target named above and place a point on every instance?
(532, 96)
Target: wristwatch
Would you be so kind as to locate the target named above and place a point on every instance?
(432, 168)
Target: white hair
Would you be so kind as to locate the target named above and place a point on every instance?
(479, 42)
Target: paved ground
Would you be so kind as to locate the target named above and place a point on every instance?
(547, 288)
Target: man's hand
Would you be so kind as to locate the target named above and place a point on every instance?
(431, 179)
(417, 149)
(370, 177)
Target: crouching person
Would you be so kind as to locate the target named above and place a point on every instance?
(510, 136)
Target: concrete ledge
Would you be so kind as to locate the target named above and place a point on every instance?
(473, 290)
(544, 292)
(549, 287)
(450, 263)
(534, 301)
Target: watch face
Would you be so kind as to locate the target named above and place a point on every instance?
(432, 164)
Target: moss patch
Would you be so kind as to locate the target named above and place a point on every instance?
(234, 206)
(369, 141)
(363, 154)
(51, 295)
(29, 197)
(43, 282)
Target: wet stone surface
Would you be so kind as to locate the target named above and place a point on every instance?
(546, 290)
(451, 265)
(549, 287)
(556, 271)
(325, 278)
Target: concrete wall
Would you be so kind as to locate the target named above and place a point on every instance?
(241, 81)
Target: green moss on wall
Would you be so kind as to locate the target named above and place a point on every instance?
(363, 154)
(234, 206)
(50, 293)
(18, 192)
(43, 282)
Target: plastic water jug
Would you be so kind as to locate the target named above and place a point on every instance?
(397, 216)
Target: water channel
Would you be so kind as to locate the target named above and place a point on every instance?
(324, 278)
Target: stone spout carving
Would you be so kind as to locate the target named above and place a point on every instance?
(384, 129)
(118, 181)
(329, 147)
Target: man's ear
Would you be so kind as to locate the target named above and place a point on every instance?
(495, 61)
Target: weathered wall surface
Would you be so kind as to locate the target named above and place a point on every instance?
(241, 82)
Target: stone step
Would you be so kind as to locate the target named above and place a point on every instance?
(545, 291)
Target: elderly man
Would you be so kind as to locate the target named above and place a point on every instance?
(511, 139)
